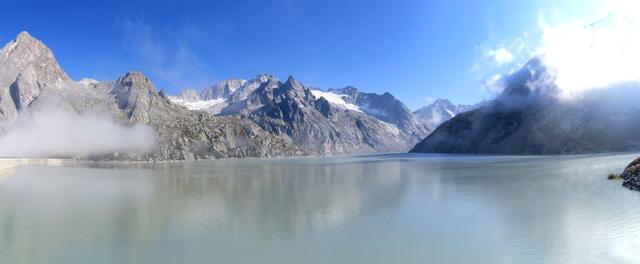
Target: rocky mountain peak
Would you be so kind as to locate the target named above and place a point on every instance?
(24, 35)
(292, 88)
(135, 80)
(134, 93)
(27, 68)
(31, 58)
(263, 77)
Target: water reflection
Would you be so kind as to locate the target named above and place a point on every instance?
(374, 209)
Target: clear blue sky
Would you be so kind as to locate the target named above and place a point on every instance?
(415, 49)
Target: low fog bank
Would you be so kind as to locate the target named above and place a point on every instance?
(58, 132)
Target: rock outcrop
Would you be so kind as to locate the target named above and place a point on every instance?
(631, 175)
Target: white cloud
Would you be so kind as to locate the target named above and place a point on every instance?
(170, 61)
(54, 132)
(500, 56)
(588, 53)
(594, 53)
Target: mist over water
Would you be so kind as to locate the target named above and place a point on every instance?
(58, 132)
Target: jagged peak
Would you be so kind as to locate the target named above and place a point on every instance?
(294, 84)
(292, 80)
(133, 77)
(24, 36)
(264, 77)
(136, 80)
(133, 74)
(27, 42)
(28, 55)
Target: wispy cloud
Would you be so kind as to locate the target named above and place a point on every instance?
(167, 58)
(594, 53)
(500, 56)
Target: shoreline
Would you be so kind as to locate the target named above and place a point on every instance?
(9, 163)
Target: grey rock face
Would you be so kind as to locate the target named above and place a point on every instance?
(27, 67)
(530, 118)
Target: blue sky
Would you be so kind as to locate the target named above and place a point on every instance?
(416, 49)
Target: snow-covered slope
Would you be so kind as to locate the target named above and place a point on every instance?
(196, 105)
(335, 99)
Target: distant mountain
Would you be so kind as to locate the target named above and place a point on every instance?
(31, 80)
(440, 111)
(223, 89)
(324, 122)
(530, 117)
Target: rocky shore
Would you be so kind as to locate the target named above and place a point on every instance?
(631, 175)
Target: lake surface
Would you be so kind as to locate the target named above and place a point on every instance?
(398, 208)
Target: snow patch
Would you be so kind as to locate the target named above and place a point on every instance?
(335, 99)
(88, 81)
(197, 105)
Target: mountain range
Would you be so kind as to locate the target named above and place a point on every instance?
(261, 117)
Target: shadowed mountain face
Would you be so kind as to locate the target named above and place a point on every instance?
(530, 117)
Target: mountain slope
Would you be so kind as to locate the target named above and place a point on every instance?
(387, 108)
(530, 117)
